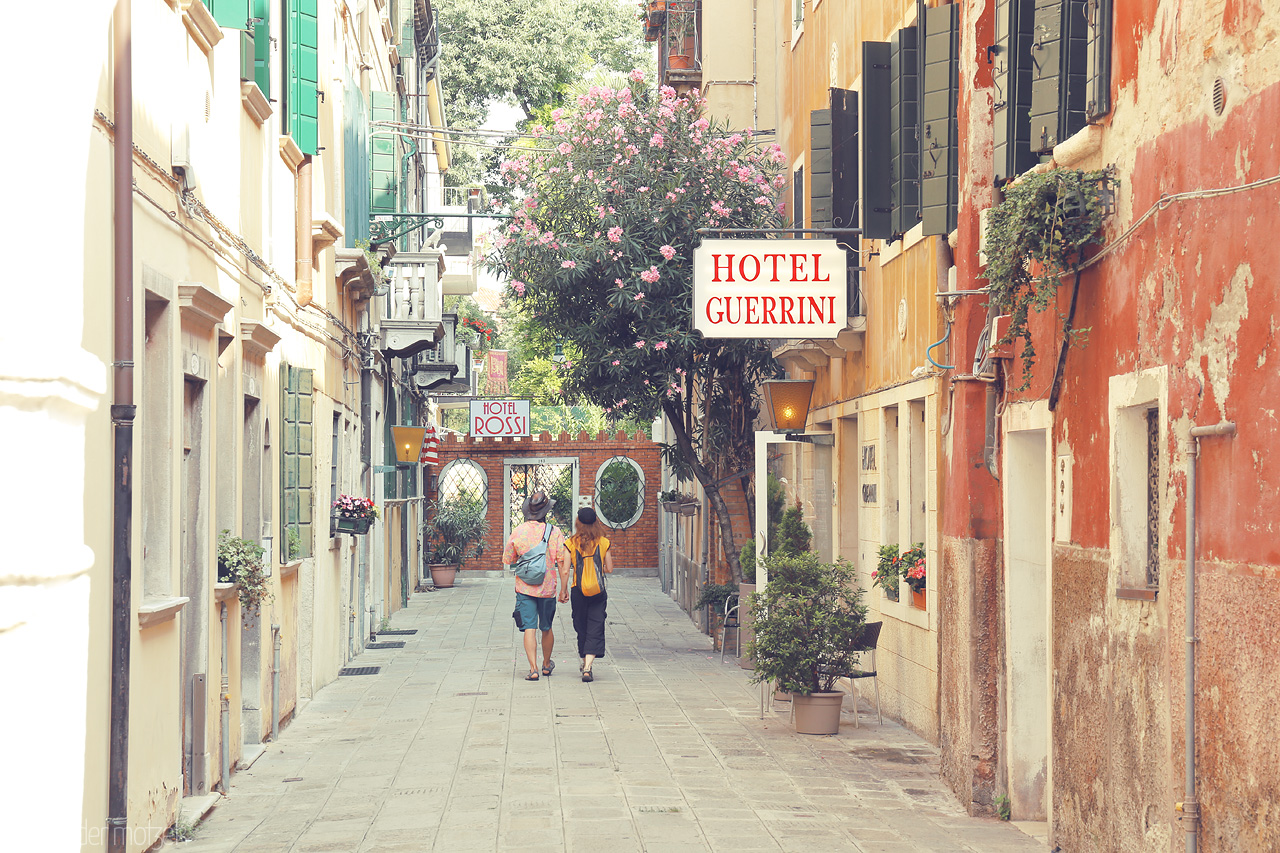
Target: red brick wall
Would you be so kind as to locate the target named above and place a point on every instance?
(634, 547)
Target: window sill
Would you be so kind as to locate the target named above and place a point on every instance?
(291, 153)
(903, 611)
(1082, 145)
(199, 22)
(159, 609)
(290, 569)
(255, 103)
(224, 591)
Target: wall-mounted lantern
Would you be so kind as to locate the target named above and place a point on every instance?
(408, 441)
(786, 406)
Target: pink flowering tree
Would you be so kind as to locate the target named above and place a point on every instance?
(609, 201)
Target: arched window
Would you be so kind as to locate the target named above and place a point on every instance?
(620, 492)
(464, 479)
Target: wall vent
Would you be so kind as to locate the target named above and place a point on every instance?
(1219, 96)
(360, 670)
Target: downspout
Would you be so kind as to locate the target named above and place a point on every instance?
(302, 270)
(275, 683)
(1190, 808)
(123, 413)
(225, 699)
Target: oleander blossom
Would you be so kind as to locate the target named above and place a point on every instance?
(667, 252)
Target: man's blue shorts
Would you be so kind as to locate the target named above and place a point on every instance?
(536, 612)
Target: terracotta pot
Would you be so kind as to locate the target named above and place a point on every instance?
(918, 599)
(679, 60)
(442, 574)
(891, 594)
(817, 713)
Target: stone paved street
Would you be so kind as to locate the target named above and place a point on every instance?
(448, 749)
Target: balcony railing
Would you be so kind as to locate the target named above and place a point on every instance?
(411, 316)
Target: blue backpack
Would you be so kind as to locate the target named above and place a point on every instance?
(531, 566)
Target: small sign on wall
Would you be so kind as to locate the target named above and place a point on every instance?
(504, 418)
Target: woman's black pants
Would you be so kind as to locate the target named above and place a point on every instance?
(588, 621)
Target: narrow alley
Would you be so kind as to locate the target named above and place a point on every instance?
(447, 748)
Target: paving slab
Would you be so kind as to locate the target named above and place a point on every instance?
(449, 749)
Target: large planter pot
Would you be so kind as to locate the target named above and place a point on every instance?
(677, 61)
(356, 526)
(918, 599)
(443, 574)
(817, 713)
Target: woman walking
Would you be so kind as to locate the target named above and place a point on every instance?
(583, 565)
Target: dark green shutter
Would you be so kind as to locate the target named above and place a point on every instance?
(1011, 80)
(385, 175)
(797, 199)
(939, 153)
(820, 168)
(232, 14)
(355, 159)
(876, 200)
(296, 460)
(904, 129)
(406, 36)
(1058, 72)
(262, 45)
(303, 79)
(1098, 65)
(844, 182)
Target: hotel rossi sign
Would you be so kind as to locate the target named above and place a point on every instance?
(769, 289)
(509, 418)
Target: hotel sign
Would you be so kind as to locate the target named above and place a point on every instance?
(506, 418)
(769, 289)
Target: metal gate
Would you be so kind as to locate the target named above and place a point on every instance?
(555, 475)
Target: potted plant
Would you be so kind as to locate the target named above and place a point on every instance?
(240, 562)
(680, 26)
(911, 566)
(353, 515)
(677, 501)
(454, 533)
(887, 574)
(807, 623)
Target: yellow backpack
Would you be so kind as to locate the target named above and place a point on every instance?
(588, 571)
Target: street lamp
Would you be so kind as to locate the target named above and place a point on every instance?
(787, 409)
(408, 441)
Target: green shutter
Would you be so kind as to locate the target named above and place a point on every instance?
(1098, 63)
(303, 79)
(231, 14)
(406, 37)
(262, 45)
(246, 55)
(797, 199)
(296, 459)
(876, 200)
(384, 188)
(904, 129)
(1011, 80)
(355, 159)
(939, 153)
(1058, 72)
(844, 182)
(820, 168)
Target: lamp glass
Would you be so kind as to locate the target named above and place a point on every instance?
(787, 402)
(408, 441)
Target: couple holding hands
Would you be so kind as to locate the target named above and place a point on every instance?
(583, 560)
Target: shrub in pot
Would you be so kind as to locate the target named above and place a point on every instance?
(240, 562)
(454, 532)
(806, 623)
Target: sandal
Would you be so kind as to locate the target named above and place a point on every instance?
(586, 675)
(547, 667)
(532, 676)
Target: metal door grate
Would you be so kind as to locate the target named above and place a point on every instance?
(360, 670)
(398, 632)
(385, 646)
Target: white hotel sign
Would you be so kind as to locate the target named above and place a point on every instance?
(507, 418)
(769, 289)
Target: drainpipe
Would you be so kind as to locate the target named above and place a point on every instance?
(123, 412)
(275, 683)
(226, 705)
(302, 270)
(1191, 808)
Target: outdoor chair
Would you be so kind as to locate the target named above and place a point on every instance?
(867, 643)
(731, 620)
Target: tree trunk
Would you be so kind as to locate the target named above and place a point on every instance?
(708, 482)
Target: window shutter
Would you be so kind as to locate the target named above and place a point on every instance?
(231, 14)
(262, 45)
(844, 182)
(304, 75)
(1011, 79)
(1058, 64)
(876, 201)
(820, 168)
(247, 50)
(296, 459)
(405, 48)
(355, 159)
(1098, 63)
(904, 129)
(939, 153)
(797, 199)
(385, 187)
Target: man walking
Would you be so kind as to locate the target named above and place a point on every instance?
(534, 549)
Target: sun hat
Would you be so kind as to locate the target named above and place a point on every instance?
(536, 506)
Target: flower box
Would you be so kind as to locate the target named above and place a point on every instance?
(356, 526)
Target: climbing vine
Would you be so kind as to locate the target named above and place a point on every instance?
(1035, 237)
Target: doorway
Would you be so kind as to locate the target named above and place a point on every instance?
(1027, 591)
(555, 475)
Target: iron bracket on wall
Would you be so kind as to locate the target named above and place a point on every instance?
(387, 228)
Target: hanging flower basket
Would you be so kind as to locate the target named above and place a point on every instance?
(353, 515)
(356, 526)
